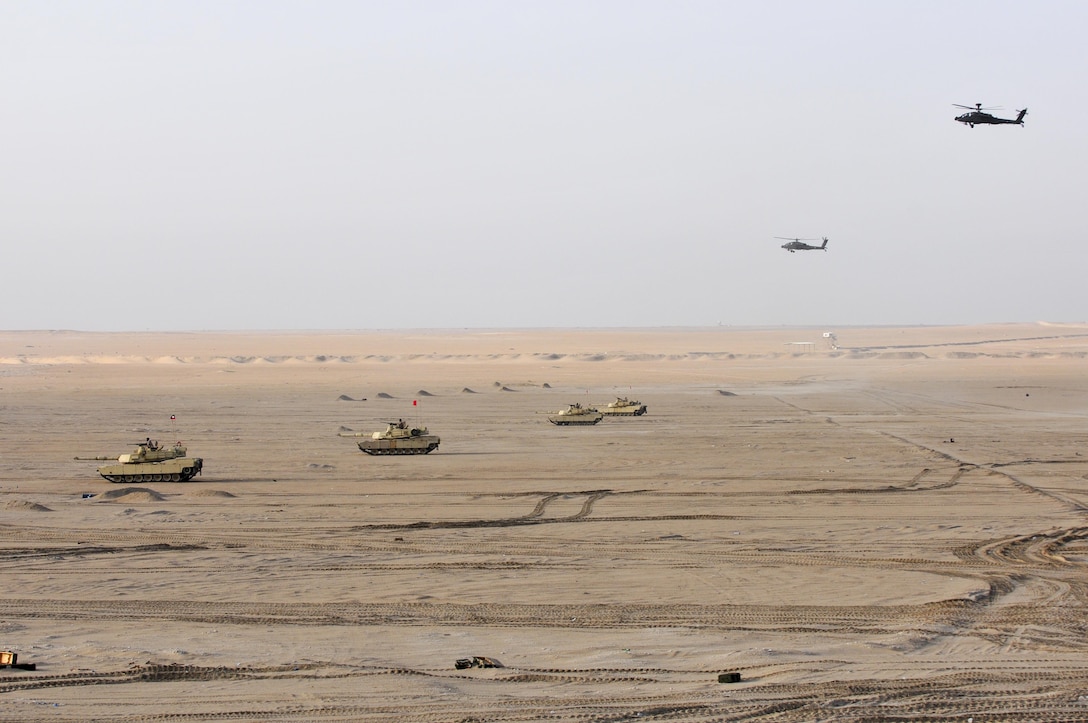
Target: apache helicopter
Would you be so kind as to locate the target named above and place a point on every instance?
(798, 244)
(978, 116)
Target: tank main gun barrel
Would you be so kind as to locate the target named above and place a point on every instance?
(95, 459)
(353, 434)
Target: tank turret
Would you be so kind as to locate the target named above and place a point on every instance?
(150, 462)
(576, 414)
(397, 438)
(624, 407)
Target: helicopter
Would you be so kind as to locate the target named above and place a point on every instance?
(798, 244)
(977, 115)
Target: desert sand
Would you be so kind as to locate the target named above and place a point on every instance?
(890, 526)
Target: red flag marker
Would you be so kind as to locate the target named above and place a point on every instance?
(415, 402)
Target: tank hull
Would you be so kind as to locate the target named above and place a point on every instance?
(633, 411)
(624, 408)
(171, 470)
(576, 415)
(397, 438)
(411, 445)
(576, 420)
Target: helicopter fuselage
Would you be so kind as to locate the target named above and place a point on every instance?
(799, 245)
(976, 117)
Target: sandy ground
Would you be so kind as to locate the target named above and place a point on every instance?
(892, 529)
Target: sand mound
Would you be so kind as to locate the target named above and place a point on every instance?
(212, 493)
(346, 398)
(383, 395)
(466, 390)
(725, 393)
(506, 389)
(26, 505)
(424, 393)
(345, 429)
(316, 465)
(132, 494)
(546, 385)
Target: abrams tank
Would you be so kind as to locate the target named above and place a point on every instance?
(624, 407)
(397, 438)
(151, 463)
(576, 414)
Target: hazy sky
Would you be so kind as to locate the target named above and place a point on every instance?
(355, 165)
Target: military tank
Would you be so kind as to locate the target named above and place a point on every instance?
(397, 438)
(576, 414)
(624, 407)
(149, 462)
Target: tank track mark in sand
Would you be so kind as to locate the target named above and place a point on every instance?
(992, 692)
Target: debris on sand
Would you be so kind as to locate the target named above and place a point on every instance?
(725, 393)
(477, 661)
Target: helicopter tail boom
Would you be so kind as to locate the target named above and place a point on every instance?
(1020, 116)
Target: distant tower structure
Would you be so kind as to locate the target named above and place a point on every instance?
(832, 340)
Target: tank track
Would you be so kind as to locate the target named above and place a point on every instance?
(573, 424)
(625, 414)
(411, 450)
(183, 476)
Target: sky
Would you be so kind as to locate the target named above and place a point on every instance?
(236, 165)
